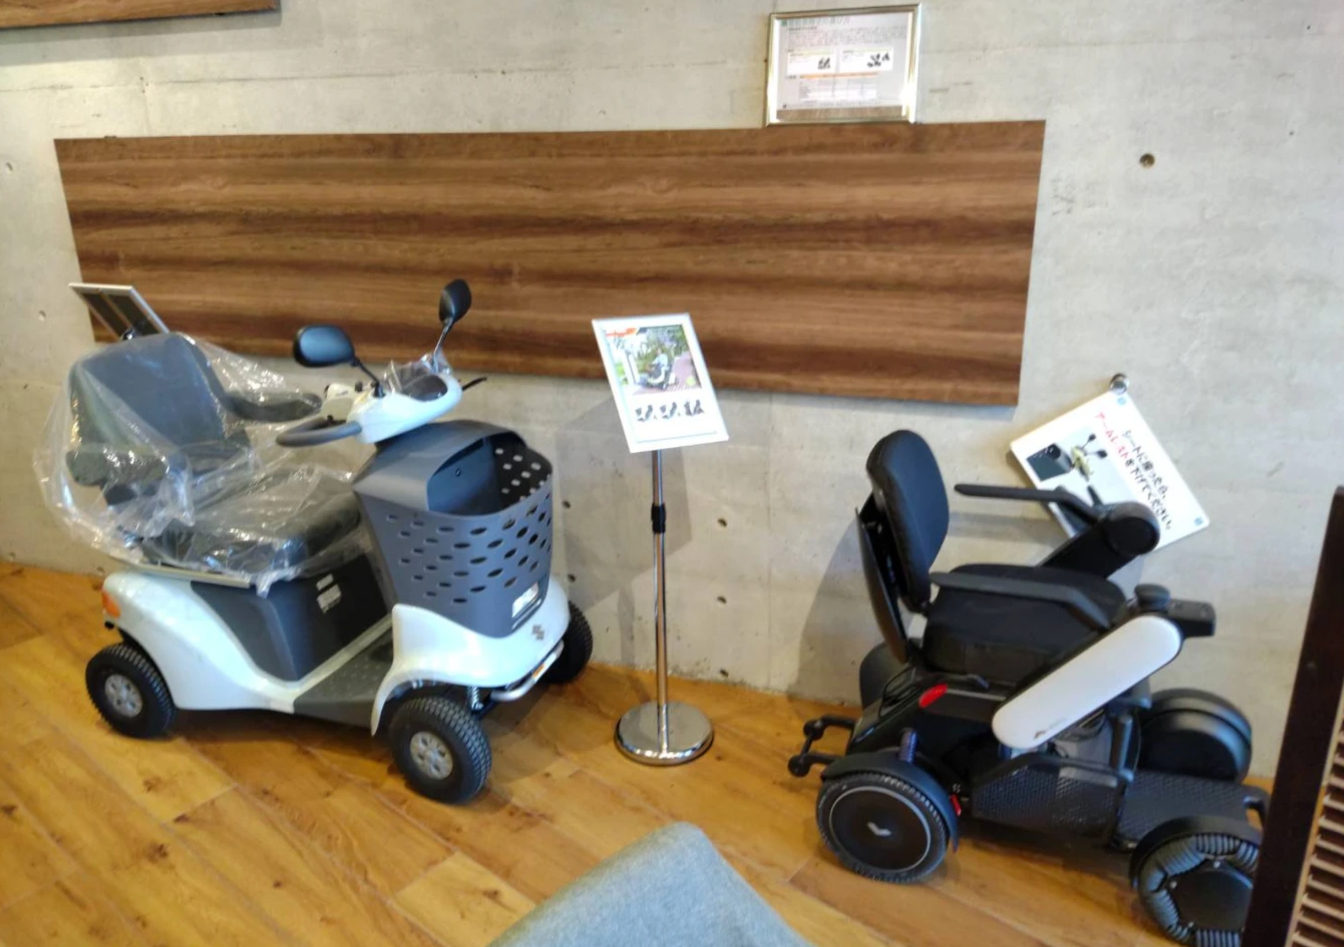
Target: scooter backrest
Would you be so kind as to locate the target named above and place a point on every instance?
(908, 490)
(156, 386)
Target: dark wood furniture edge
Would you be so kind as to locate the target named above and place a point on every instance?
(1308, 740)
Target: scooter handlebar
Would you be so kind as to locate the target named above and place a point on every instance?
(316, 431)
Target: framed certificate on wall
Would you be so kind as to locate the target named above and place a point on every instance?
(843, 66)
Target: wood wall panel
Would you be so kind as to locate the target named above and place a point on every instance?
(878, 260)
(53, 12)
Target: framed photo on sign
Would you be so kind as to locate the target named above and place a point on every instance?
(659, 382)
(843, 66)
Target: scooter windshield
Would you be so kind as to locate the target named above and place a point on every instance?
(406, 376)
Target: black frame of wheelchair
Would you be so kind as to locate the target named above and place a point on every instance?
(1159, 776)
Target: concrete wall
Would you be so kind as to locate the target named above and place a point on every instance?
(1215, 278)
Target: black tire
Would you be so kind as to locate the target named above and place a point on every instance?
(440, 748)
(881, 827)
(129, 692)
(578, 649)
(1195, 733)
(1194, 879)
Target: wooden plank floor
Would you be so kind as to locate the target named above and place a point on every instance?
(256, 829)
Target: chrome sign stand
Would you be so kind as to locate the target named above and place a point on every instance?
(662, 732)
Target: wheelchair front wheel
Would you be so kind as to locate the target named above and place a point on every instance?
(881, 827)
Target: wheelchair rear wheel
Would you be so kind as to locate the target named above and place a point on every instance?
(881, 827)
(1195, 733)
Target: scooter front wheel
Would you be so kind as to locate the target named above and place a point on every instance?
(440, 748)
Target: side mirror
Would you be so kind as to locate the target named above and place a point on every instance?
(320, 346)
(454, 302)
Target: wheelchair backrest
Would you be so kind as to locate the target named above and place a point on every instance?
(882, 577)
(908, 493)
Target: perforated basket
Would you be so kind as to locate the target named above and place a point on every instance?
(480, 555)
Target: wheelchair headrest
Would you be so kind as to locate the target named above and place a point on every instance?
(908, 490)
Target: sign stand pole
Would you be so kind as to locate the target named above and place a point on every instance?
(662, 732)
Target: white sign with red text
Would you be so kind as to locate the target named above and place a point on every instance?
(1104, 452)
(659, 382)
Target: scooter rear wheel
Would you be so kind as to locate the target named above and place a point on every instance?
(129, 692)
(440, 748)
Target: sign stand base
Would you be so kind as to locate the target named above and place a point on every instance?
(689, 733)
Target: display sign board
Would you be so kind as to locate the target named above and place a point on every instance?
(843, 65)
(1104, 452)
(659, 382)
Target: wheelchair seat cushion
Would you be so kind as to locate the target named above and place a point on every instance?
(276, 523)
(1007, 639)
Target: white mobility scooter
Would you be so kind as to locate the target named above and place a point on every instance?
(253, 585)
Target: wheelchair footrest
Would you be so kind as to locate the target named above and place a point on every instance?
(801, 763)
(1156, 797)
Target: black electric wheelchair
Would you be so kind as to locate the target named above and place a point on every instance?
(1026, 703)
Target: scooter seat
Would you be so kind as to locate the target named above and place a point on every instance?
(1006, 639)
(275, 524)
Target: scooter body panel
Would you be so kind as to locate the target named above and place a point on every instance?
(431, 649)
(205, 666)
(201, 659)
(393, 413)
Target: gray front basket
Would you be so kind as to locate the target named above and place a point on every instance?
(471, 540)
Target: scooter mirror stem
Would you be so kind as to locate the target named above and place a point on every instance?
(377, 385)
(436, 360)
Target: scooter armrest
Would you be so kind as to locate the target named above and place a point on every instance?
(272, 407)
(98, 465)
(1066, 595)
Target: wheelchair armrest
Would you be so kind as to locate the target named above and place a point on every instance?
(1084, 510)
(1195, 619)
(271, 407)
(1066, 595)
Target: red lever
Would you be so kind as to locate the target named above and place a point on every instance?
(932, 694)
